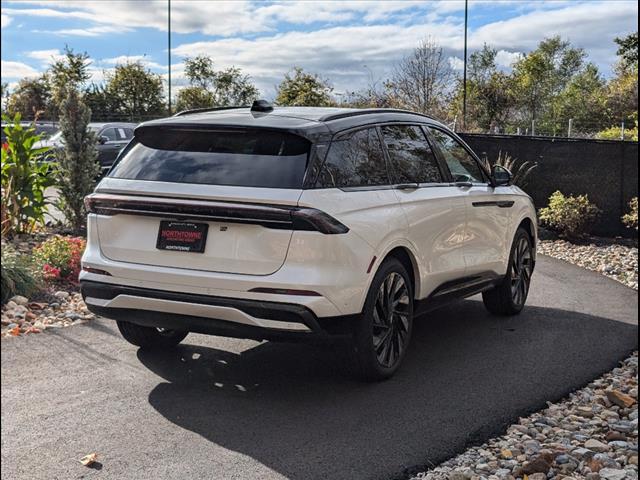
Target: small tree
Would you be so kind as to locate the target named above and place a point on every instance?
(422, 80)
(78, 164)
(214, 88)
(135, 91)
(304, 89)
(30, 97)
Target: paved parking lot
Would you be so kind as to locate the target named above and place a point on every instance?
(232, 409)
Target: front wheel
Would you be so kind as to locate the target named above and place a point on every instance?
(150, 337)
(383, 330)
(509, 297)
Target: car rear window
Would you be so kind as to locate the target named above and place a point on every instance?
(247, 158)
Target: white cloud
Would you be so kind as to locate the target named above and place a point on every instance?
(45, 57)
(17, 70)
(590, 25)
(456, 63)
(86, 32)
(124, 59)
(210, 18)
(506, 59)
(5, 19)
(340, 50)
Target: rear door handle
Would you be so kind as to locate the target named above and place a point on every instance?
(407, 186)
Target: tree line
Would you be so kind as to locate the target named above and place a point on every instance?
(548, 91)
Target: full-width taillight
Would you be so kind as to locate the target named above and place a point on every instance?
(269, 216)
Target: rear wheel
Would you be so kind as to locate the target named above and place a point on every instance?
(383, 330)
(150, 337)
(510, 296)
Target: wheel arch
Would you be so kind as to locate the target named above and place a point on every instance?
(408, 260)
(530, 227)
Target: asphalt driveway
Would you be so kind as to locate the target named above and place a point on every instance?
(230, 409)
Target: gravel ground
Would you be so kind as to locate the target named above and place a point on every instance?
(615, 260)
(21, 316)
(593, 434)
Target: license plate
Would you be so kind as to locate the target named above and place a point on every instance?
(182, 236)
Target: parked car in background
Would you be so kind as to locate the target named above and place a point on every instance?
(302, 223)
(46, 129)
(112, 137)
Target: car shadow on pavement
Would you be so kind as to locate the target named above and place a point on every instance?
(466, 377)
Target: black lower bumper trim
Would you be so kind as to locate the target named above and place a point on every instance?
(320, 328)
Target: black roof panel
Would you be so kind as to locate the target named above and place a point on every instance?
(310, 122)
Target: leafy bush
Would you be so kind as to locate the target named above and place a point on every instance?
(615, 133)
(569, 216)
(631, 218)
(17, 275)
(25, 176)
(520, 170)
(58, 258)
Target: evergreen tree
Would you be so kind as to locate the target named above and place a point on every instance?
(78, 165)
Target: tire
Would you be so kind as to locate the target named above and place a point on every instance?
(150, 337)
(380, 344)
(510, 296)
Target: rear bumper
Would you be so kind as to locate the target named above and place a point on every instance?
(230, 317)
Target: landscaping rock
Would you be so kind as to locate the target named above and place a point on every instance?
(62, 295)
(615, 260)
(596, 445)
(612, 474)
(19, 299)
(574, 448)
(618, 398)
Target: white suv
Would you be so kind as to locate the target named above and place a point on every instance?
(302, 223)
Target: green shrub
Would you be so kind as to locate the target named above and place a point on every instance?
(25, 176)
(631, 218)
(78, 166)
(569, 216)
(58, 258)
(17, 275)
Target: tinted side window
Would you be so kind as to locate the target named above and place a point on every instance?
(411, 155)
(354, 161)
(110, 133)
(463, 166)
(128, 133)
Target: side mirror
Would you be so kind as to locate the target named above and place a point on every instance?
(500, 176)
(102, 139)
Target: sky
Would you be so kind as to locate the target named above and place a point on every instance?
(350, 43)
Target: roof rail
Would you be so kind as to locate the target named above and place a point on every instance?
(367, 111)
(208, 109)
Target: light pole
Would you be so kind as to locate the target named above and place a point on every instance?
(464, 74)
(169, 50)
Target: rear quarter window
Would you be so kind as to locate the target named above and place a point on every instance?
(354, 160)
(246, 158)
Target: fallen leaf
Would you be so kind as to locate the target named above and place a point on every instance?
(15, 331)
(88, 460)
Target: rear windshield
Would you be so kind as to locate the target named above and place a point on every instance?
(246, 158)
